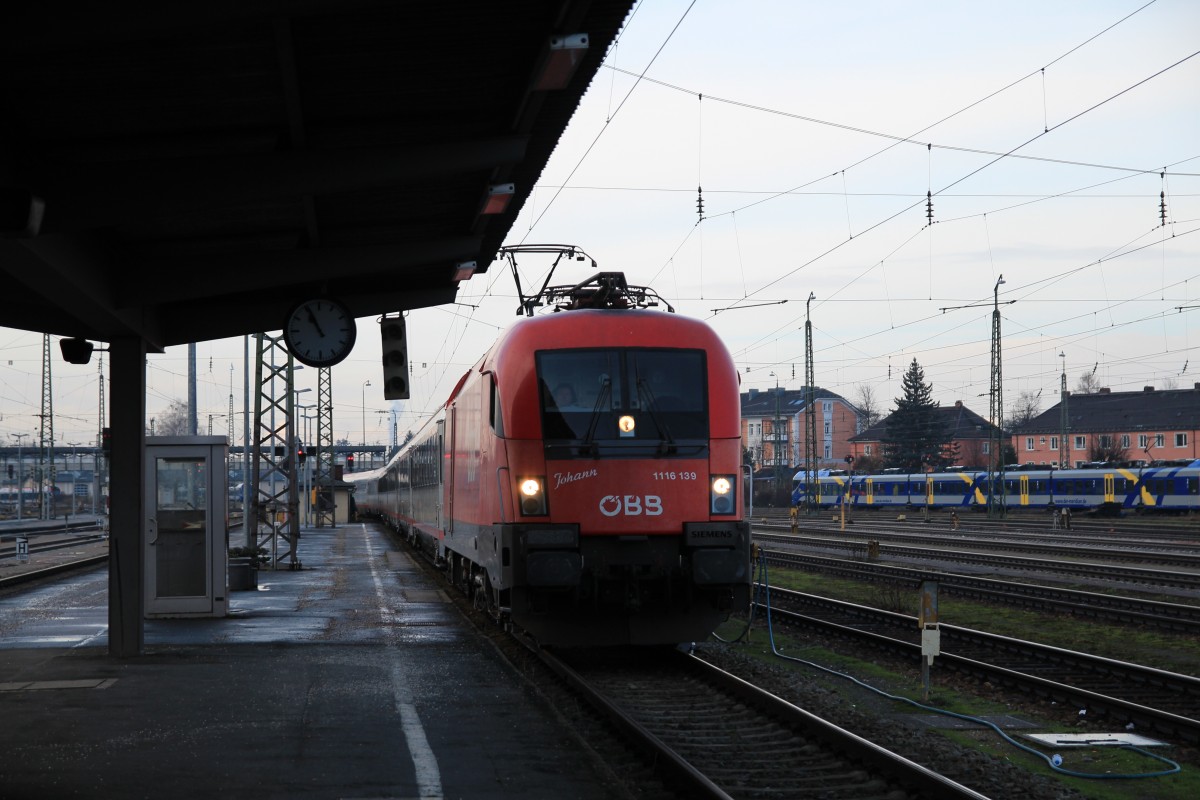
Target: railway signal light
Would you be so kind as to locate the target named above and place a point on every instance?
(350, 462)
(106, 440)
(395, 358)
(300, 454)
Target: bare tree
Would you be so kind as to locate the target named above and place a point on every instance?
(1027, 406)
(1088, 383)
(1170, 382)
(1106, 448)
(173, 421)
(868, 404)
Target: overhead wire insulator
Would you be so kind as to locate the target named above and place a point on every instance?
(699, 204)
(929, 206)
(1162, 208)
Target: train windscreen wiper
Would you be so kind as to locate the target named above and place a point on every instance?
(667, 441)
(589, 438)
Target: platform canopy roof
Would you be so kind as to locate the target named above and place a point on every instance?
(183, 172)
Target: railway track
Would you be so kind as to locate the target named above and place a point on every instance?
(1109, 608)
(712, 735)
(1151, 699)
(1026, 523)
(1168, 554)
(1163, 579)
(670, 725)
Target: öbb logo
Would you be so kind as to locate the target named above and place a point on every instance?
(631, 505)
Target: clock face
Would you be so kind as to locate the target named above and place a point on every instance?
(320, 332)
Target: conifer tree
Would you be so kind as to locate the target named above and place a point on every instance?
(916, 437)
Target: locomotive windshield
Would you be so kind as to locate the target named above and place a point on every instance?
(626, 401)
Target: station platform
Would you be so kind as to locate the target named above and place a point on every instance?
(353, 677)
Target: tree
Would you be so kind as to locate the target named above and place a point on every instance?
(1088, 383)
(173, 421)
(1028, 406)
(1106, 448)
(868, 464)
(916, 436)
(868, 404)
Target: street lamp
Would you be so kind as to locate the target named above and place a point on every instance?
(20, 437)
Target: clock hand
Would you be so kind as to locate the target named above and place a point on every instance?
(313, 319)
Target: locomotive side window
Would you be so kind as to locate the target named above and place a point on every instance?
(495, 416)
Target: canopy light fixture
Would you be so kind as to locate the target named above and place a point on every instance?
(561, 59)
(463, 270)
(498, 197)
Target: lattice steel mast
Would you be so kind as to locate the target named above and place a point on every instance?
(46, 467)
(1064, 419)
(997, 496)
(272, 515)
(811, 497)
(324, 451)
(101, 459)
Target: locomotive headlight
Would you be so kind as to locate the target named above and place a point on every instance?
(626, 425)
(533, 496)
(721, 494)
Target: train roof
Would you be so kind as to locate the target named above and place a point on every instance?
(1091, 467)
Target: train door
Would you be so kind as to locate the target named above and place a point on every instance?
(870, 492)
(1024, 483)
(928, 491)
(1109, 491)
(446, 473)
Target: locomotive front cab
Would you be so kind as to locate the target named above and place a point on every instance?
(638, 514)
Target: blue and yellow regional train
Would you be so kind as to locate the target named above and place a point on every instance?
(1160, 487)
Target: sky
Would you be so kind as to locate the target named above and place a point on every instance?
(892, 162)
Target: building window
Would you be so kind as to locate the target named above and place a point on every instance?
(1158, 440)
(1124, 440)
(1054, 443)
(1105, 440)
(1028, 442)
(1143, 440)
(987, 447)
(867, 449)
(827, 428)
(1181, 440)
(828, 407)
(828, 451)
(1081, 443)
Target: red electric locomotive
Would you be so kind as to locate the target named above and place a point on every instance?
(583, 481)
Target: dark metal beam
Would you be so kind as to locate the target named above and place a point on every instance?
(89, 196)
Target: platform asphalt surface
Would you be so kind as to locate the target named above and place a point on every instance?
(353, 677)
